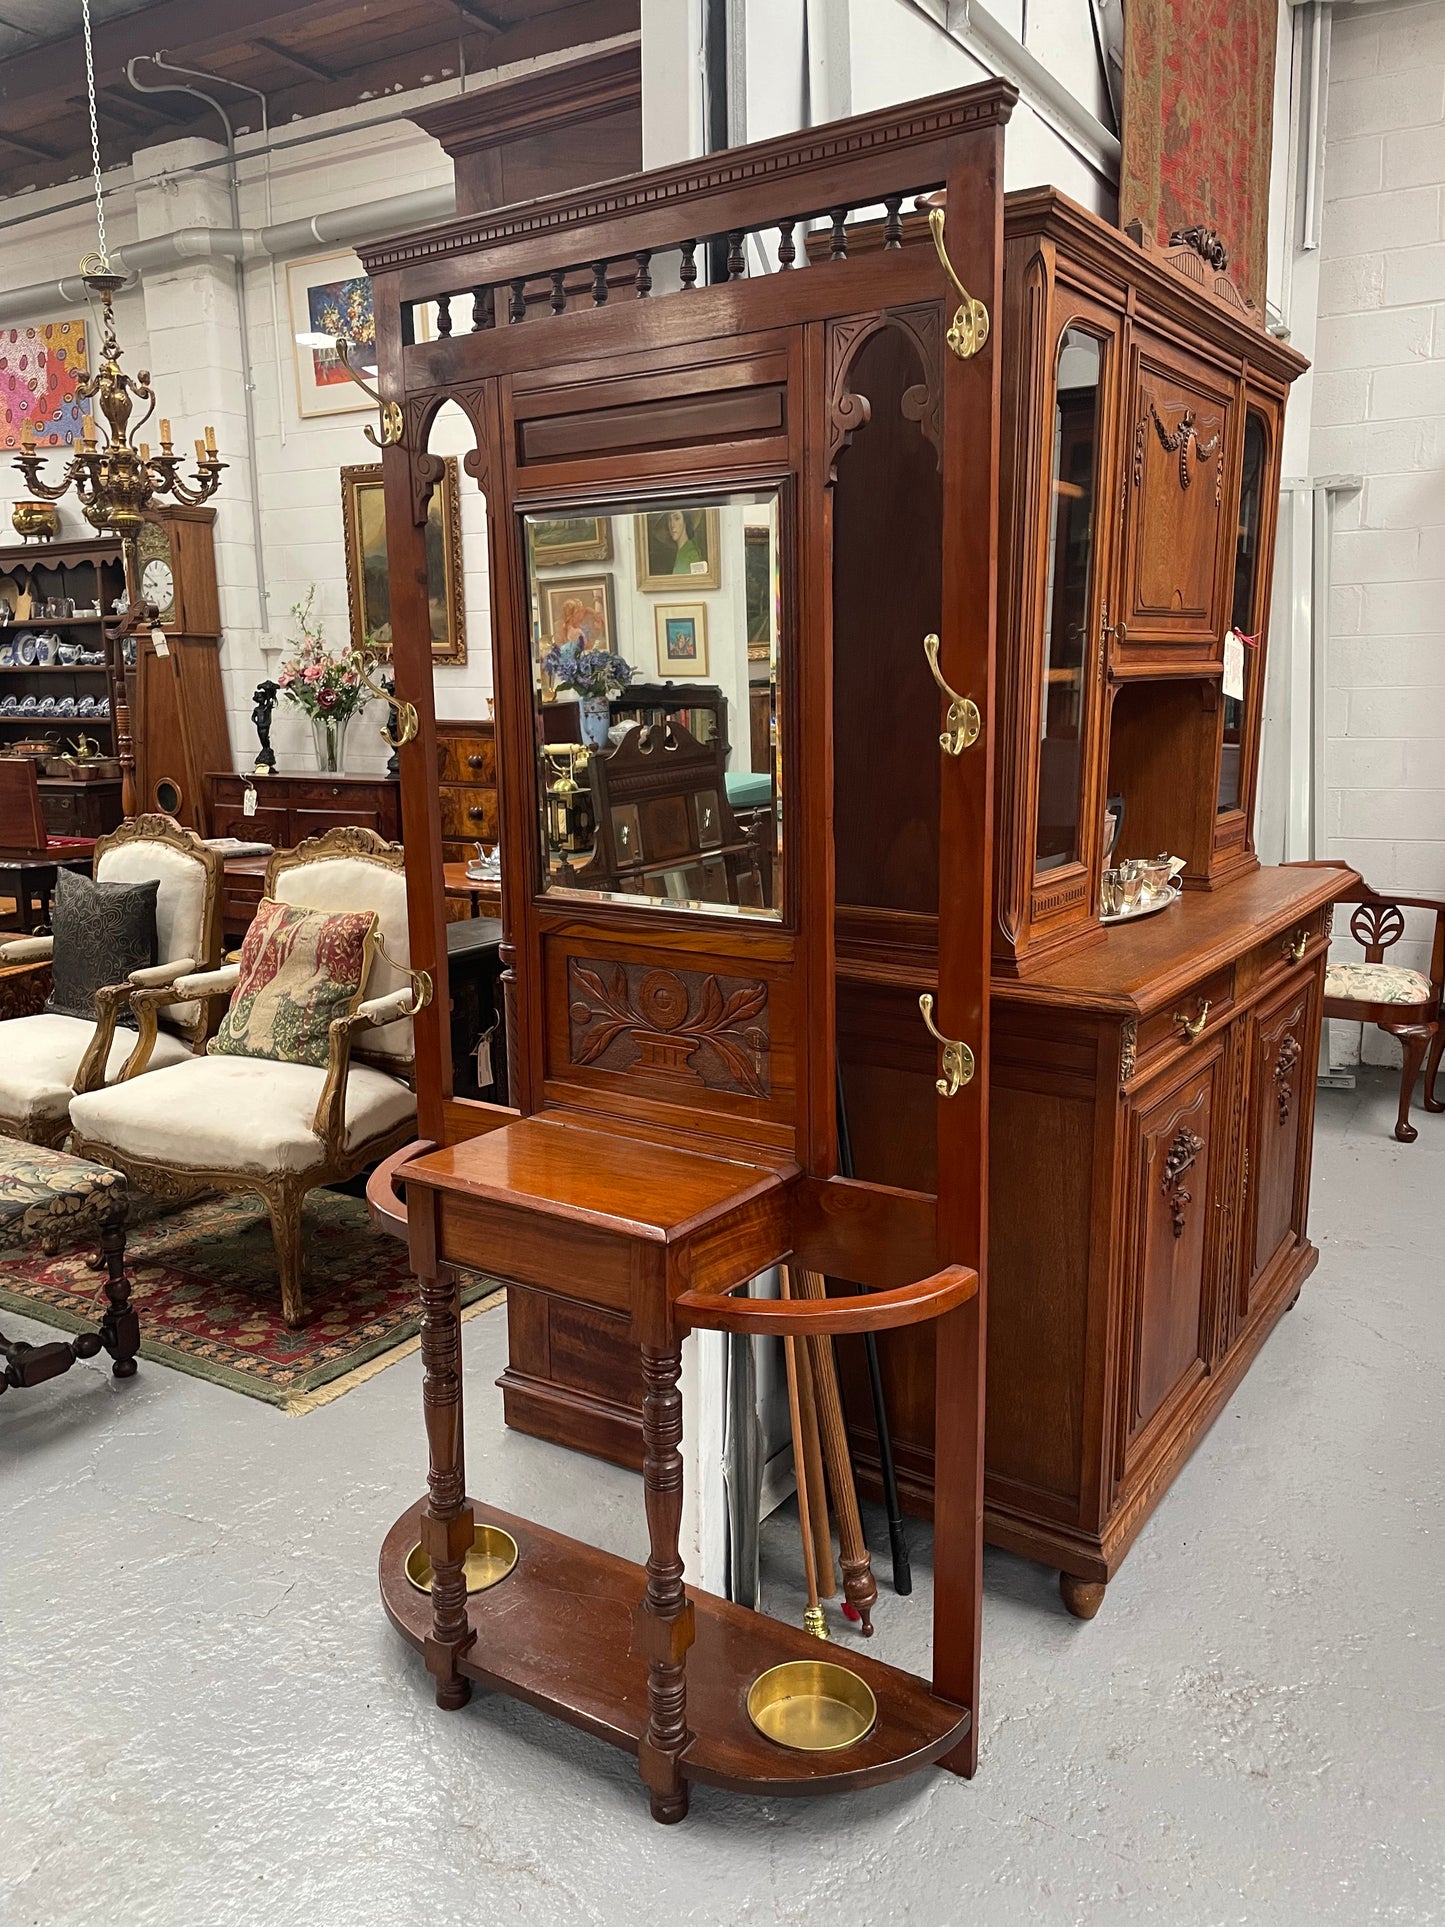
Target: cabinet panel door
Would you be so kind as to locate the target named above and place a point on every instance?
(1180, 456)
(1282, 1077)
(1171, 1239)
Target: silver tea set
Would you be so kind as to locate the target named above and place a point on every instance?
(1138, 884)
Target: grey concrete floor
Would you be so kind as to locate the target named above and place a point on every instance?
(205, 1720)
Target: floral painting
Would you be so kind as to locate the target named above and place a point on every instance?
(330, 297)
(41, 366)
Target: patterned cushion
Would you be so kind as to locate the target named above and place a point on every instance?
(103, 931)
(299, 970)
(1381, 983)
(44, 1192)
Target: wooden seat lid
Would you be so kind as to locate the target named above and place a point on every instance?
(627, 1186)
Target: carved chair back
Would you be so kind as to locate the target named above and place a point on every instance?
(1379, 922)
(664, 825)
(349, 868)
(188, 901)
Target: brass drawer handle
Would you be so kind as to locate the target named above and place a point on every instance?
(957, 1057)
(1192, 1026)
(1295, 948)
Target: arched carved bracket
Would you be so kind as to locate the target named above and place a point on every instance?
(1289, 1056)
(428, 469)
(922, 403)
(1182, 1152)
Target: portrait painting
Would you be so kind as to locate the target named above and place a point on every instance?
(682, 639)
(678, 542)
(577, 610)
(368, 588)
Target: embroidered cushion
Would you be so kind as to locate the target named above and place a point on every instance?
(103, 931)
(300, 969)
(1381, 983)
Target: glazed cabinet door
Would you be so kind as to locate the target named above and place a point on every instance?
(1180, 422)
(1282, 1073)
(1171, 1237)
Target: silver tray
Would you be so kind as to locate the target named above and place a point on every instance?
(1151, 908)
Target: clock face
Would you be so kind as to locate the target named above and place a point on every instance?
(158, 583)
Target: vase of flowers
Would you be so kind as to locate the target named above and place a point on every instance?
(596, 675)
(326, 686)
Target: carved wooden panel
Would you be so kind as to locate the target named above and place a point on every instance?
(1179, 463)
(1284, 1028)
(1172, 1246)
(706, 1031)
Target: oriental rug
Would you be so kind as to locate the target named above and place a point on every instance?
(204, 1282)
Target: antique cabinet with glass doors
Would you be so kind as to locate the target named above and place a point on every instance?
(712, 464)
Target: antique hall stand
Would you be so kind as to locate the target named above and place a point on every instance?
(654, 1178)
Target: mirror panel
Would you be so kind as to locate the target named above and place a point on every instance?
(655, 653)
(1246, 576)
(1067, 598)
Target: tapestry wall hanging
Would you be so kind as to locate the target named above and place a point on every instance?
(40, 369)
(1198, 125)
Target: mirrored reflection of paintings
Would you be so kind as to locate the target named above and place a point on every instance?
(568, 540)
(368, 589)
(677, 542)
(657, 769)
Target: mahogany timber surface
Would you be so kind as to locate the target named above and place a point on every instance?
(558, 1632)
(1140, 966)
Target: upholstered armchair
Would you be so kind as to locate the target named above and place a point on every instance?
(242, 1123)
(1405, 1003)
(47, 1057)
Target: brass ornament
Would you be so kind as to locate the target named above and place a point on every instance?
(392, 425)
(812, 1706)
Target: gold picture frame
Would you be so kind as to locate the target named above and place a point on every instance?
(580, 609)
(669, 559)
(368, 600)
(561, 542)
(681, 638)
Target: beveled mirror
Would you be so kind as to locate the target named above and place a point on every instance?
(655, 650)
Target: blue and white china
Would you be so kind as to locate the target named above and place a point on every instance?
(26, 651)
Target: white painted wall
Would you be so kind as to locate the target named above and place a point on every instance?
(1379, 411)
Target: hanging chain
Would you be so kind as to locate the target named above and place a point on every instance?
(103, 257)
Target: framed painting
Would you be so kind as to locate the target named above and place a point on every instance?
(682, 639)
(368, 590)
(579, 609)
(330, 296)
(678, 542)
(41, 367)
(758, 592)
(567, 540)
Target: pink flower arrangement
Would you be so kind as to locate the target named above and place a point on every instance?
(323, 684)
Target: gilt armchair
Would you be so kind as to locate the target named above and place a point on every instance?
(251, 1124)
(45, 1058)
(1403, 1002)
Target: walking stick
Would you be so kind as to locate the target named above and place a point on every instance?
(898, 1544)
(860, 1588)
(808, 1412)
(813, 1619)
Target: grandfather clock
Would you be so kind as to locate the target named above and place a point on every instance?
(177, 702)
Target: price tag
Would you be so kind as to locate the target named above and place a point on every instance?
(1234, 665)
(159, 643)
(248, 800)
(484, 1059)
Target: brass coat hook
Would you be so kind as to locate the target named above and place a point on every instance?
(362, 662)
(968, 330)
(391, 420)
(963, 722)
(957, 1057)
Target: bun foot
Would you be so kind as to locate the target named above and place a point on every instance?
(1082, 1597)
(123, 1368)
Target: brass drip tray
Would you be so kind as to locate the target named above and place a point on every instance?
(492, 1557)
(812, 1705)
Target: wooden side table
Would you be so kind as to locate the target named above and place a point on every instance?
(29, 877)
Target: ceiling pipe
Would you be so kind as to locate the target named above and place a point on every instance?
(343, 227)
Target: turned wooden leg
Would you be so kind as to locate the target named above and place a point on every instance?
(1083, 1597)
(665, 1618)
(120, 1327)
(1414, 1043)
(448, 1524)
(285, 1206)
(1432, 1067)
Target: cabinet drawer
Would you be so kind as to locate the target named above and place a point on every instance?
(266, 826)
(467, 759)
(1164, 1034)
(1271, 962)
(470, 813)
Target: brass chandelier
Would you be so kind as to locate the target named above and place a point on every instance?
(116, 480)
